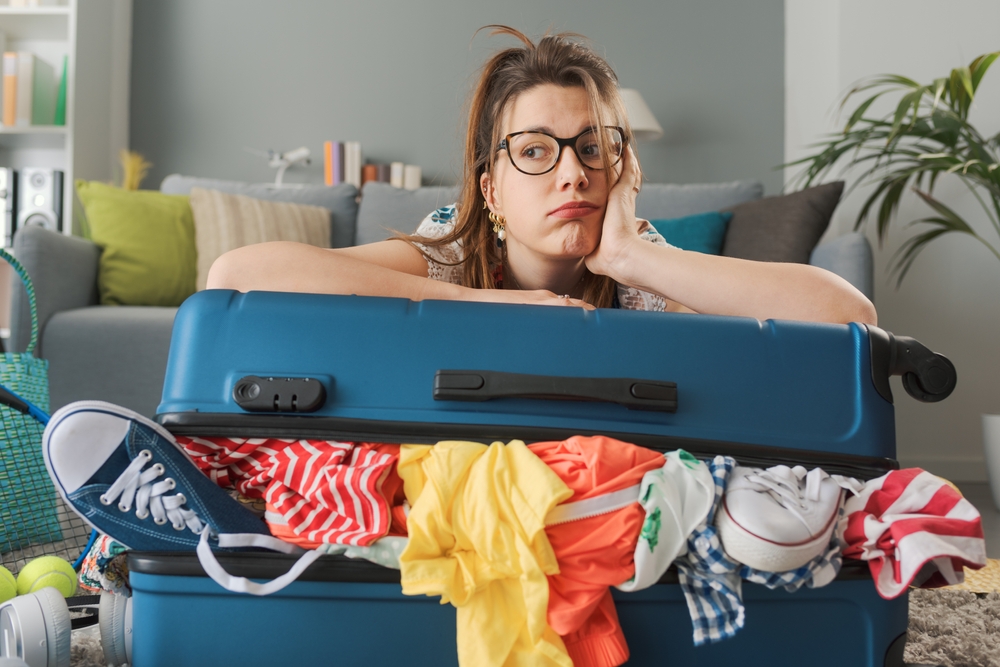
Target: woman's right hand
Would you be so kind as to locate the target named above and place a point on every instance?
(532, 297)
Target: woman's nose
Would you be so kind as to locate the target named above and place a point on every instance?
(569, 170)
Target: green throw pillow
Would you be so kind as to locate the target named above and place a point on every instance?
(147, 244)
(702, 232)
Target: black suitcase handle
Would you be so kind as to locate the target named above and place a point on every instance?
(453, 385)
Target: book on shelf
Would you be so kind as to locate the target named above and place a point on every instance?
(333, 162)
(30, 92)
(342, 163)
(411, 177)
(396, 174)
(44, 88)
(9, 88)
(352, 163)
(60, 114)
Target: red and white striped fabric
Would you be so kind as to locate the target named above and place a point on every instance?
(316, 491)
(914, 530)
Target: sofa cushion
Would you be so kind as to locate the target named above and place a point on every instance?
(701, 232)
(784, 228)
(224, 222)
(385, 209)
(341, 200)
(109, 354)
(147, 244)
(657, 201)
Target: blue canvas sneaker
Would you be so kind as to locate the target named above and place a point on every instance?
(128, 478)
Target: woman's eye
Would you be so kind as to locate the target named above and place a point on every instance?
(590, 149)
(534, 152)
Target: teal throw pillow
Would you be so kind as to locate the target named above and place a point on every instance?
(702, 232)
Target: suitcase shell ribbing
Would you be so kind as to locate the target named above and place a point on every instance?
(764, 392)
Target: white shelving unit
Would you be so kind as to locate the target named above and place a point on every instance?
(95, 36)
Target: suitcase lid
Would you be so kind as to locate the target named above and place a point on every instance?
(396, 370)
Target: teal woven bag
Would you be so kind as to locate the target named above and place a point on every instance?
(29, 506)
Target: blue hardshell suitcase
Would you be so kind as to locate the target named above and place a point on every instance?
(391, 370)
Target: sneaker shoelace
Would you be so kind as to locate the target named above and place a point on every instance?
(150, 494)
(794, 488)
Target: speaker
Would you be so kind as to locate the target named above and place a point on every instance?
(39, 198)
(8, 205)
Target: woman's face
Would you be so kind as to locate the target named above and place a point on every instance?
(559, 214)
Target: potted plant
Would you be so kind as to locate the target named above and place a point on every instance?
(927, 135)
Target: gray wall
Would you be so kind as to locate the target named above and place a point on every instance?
(210, 77)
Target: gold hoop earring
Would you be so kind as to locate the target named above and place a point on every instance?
(499, 228)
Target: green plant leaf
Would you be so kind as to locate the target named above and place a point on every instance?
(911, 99)
(902, 259)
(859, 112)
(979, 67)
(948, 217)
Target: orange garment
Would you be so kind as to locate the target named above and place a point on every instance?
(596, 552)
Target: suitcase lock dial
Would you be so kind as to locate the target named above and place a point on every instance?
(277, 394)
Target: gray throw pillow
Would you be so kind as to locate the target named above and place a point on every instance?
(659, 201)
(784, 228)
(341, 200)
(385, 209)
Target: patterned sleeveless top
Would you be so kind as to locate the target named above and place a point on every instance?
(444, 261)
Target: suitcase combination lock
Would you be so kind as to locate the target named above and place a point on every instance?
(276, 394)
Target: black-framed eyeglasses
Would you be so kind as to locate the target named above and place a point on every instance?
(536, 153)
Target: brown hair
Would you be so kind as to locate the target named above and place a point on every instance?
(558, 59)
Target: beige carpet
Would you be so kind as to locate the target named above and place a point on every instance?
(957, 626)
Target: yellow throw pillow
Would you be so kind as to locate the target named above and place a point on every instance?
(147, 244)
(224, 222)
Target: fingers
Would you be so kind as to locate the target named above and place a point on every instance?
(567, 300)
(630, 179)
(632, 170)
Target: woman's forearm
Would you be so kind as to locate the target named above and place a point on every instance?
(295, 267)
(730, 286)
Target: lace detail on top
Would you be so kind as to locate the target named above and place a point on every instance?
(443, 260)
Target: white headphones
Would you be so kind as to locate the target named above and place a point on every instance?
(36, 628)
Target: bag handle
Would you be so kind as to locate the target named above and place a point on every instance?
(30, 289)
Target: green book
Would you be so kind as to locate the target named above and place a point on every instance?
(61, 97)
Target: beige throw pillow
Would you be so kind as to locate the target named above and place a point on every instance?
(224, 222)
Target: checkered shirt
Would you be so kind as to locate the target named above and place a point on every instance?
(709, 578)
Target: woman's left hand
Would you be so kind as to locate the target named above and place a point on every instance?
(620, 232)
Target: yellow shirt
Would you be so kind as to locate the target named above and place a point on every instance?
(477, 538)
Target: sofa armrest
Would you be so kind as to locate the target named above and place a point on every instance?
(850, 257)
(63, 270)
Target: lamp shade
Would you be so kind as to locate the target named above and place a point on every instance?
(643, 122)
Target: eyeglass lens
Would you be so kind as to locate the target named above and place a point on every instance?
(536, 153)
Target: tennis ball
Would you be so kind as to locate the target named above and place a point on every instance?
(47, 571)
(8, 585)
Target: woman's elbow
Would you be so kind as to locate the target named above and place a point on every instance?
(225, 272)
(863, 312)
(851, 305)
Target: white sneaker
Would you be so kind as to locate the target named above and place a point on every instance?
(778, 519)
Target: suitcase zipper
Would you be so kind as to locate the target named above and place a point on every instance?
(357, 430)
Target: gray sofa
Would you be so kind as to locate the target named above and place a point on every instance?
(119, 353)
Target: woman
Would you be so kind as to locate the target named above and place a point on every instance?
(546, 215)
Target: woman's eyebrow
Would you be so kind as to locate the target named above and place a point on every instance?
(538, 128)
(547, 130)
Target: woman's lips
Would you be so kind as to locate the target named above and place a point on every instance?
(576, 209)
